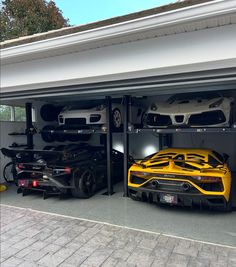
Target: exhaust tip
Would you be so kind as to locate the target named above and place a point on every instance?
(154, 184)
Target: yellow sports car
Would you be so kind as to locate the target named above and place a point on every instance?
(182, 176)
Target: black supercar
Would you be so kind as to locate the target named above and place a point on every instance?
(79, 169)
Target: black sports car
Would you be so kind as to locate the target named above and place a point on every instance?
(80, 169)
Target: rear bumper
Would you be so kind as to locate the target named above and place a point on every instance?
(184, 199)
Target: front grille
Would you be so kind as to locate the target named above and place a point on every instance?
(75, 121)
(207, 118)
(95, 118)
(158, 120)
(179, 118)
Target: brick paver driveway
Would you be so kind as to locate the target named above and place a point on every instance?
(31, 238)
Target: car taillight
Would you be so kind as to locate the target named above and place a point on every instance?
(210, 179)
(67, 170)
(142, 174)
(35, 183)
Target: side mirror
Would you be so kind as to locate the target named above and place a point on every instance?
(226, 157)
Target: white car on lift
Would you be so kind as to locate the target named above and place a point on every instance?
(96, 116)
(190, 110)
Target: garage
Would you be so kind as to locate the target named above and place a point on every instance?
(130, 62)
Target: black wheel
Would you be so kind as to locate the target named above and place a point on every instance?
(116, 119)
(60, 137)
(46, 134)
(9, 172)
(228, 204)
(76, 137)
(48, 112)
(84, 183)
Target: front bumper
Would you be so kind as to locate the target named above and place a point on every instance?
(183, 199)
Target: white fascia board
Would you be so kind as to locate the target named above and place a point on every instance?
(175, 17)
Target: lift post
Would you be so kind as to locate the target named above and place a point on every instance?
(109, 146)
(29, 125)
(127, 100)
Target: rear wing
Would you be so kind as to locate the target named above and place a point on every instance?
(32, 155)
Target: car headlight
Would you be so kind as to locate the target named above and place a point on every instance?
(216, 103)
(100, 107)
(153, 107)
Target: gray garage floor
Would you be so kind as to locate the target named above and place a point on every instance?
(203, 225)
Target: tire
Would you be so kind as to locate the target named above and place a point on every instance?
(60, 137)
(47, 136)
(48, 112)
(228, 205)
(84, 182)
(76, 137)
(116, 119)
(9, 173)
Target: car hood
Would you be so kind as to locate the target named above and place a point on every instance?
(185, 106)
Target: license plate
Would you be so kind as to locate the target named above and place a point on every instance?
(168, 198)
(23, 183)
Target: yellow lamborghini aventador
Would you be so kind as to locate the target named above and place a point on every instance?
(182, 176)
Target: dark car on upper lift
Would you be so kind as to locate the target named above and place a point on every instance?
(79, 169)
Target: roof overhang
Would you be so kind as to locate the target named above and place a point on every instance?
(155, 25)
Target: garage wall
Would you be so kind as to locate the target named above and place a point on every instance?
(9, 127)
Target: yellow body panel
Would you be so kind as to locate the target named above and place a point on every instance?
(199, 169)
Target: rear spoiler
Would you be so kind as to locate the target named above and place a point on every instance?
(22, 154)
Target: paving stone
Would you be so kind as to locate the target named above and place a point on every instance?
(81, 255)
(97, 258)
(28, 264)
(22, 253)
(207, 255)
(141, 257)
(161, 253)
(64, 253)
(147, 243)
(117, 244)
(110, 262)
(51, 261)
(196, 262)
(122, 263)
(63, 240)
(52, 248)
(11, 262)
(7, 253)
(35, 255)
(24, 243)
(120, 254)
(158, 263)
(208, 248)
(190, 251)
(66, 265)
(177, 260)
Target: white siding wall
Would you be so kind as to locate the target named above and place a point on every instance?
(193, 51)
